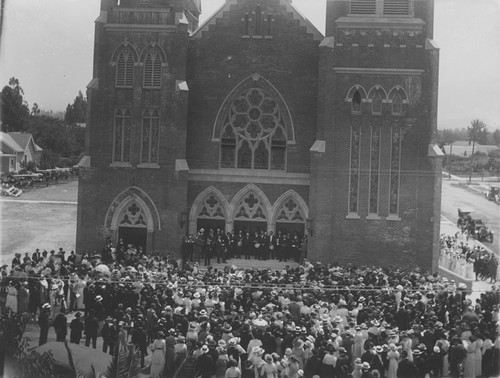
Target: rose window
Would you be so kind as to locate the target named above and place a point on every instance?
(253, 134)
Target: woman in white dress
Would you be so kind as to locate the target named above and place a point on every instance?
(159, 349)
(11, 300)
(393, 357)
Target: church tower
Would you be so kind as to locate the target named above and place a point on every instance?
(133, 183)
(375, 170)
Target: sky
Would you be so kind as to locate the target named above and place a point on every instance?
(48, 45)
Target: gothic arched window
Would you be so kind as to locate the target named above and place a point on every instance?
(398, 99)
(254, 135)
(125, 68)
(356, 102)
(122, 136)
(150, 136)
(152, 69)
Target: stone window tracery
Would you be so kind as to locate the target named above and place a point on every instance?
(253, 135)
(250, 208)
(132, 216)
(211, 208)
(290, 211)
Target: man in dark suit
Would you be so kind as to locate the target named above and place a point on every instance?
(205, 364)
(271, 242)
(140, 340)
(61, 326)
(43, 322)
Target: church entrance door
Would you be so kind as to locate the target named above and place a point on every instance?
(207, 224)
(249, 226)
(290, 228)
(133, 235)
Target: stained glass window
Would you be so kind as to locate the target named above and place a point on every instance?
(374, 169)
(253, 135)
(354, 173)
(122, 136)
(150, 136)
(395, 171)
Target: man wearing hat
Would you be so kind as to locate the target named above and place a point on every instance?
(76, 329)
(205, 364)
(366, 370)
(109, 335)
(407, 368)
(44, 323)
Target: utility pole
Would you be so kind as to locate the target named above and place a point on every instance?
(472, 157)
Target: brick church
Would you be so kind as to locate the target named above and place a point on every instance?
(254, 120)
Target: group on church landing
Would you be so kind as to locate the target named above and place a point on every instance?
(261, 245)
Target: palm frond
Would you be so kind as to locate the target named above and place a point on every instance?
(134, 370)
(70, 359)
(124, 358)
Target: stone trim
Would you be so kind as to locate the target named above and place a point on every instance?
(377, 71)
(249, 176)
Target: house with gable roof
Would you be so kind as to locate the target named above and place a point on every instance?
(15, 148)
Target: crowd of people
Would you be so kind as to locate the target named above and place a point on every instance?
(311, 320)
(261, 245)
(466, 259)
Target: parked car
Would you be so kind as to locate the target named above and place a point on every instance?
(476, 227)
(493, 194)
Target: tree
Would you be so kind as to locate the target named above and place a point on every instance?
(76, 112)
(14, 110)
(475, 130)
(35, 110)
(496, 137)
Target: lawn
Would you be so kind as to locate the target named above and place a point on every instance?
(30, 225)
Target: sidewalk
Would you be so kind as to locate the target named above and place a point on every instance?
(478, 287)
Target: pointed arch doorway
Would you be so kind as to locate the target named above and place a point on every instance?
(132, 226)
(290, 214)
(133, 217)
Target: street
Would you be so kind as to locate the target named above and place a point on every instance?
(457, 194)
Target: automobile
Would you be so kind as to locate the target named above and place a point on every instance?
(481, 231)
(475, 226)
(464, 217)
(493, 194)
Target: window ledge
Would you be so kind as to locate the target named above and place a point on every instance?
(373, 217)
(352, 216)
(393, 217)
(148, 165)
(119, 164)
